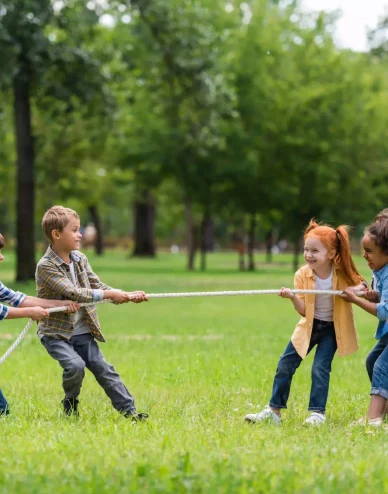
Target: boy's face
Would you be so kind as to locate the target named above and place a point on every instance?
(373, 255)
(1, 256)
(70, 237)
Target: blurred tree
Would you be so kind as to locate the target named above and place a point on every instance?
(378, 39)
(195, 97)
(25, 51)
(40, 61)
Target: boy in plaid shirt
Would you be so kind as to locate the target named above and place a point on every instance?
(24, 306)
(71, 338)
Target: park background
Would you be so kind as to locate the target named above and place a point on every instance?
(198, 138)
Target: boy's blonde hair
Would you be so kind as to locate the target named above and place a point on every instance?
(1, 241)
(56, 218)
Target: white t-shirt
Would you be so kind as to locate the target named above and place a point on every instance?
(80, 324)
(324, 303)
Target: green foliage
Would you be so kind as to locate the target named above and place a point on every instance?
(24, 45)
(238, 109)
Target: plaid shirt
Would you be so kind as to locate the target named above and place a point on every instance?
(10, 297)
(53, 281)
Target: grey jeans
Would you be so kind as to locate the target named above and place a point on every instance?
(82, 351)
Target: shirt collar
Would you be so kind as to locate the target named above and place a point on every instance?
(74, 256)
(381, 272)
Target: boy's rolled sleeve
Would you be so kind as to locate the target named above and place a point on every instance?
(10, 297)
(3, 312)
(98, 295)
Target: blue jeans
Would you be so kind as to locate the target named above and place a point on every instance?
(3, 404)
(83, 351)
(377, 367)
(323, 335)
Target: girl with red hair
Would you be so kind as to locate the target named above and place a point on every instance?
(327, 322)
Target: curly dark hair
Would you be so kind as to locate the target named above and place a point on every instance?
(379, 232)
(381, 216)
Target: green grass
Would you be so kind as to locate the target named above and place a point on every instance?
(197, 366)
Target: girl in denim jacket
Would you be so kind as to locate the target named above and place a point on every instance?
(375, 302)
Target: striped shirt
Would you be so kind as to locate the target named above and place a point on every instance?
(9, 297)
(53, 281)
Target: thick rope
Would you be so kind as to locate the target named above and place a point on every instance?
(241, 292)
(173, 295)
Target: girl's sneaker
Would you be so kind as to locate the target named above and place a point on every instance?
(364, 422)
(267, 415)
(315, 418)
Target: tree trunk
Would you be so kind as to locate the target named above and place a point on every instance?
(296, 254)
(96, 219)
(4, 214)
(241, 261)
(239, 246)
(25, 207)
(190, 236)
(209, 234)
(206, 237)
(251, 242)
(269, 245)
(144, 211)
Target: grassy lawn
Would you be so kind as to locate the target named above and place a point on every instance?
(197, 366)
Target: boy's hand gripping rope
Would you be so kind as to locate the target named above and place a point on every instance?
(175, 295)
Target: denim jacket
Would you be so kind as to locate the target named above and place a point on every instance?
(381, 282)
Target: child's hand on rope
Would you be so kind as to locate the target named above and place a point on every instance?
(71, 306)
(118, 297)
(137, 297)
(372, 296)
(349, 294)
(286, 293)
(37, 313)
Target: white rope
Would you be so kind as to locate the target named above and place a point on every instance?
(242, 292)
(173, 295)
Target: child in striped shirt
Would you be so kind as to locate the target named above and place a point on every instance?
(23, 305)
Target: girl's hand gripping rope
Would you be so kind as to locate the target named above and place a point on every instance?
(351, 294)
(286, 293)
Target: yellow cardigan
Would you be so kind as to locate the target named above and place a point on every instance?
(345, 330)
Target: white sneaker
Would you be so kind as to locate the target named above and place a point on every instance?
(372, 422)
(266, 415)
(315, 418)
(376, 422)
